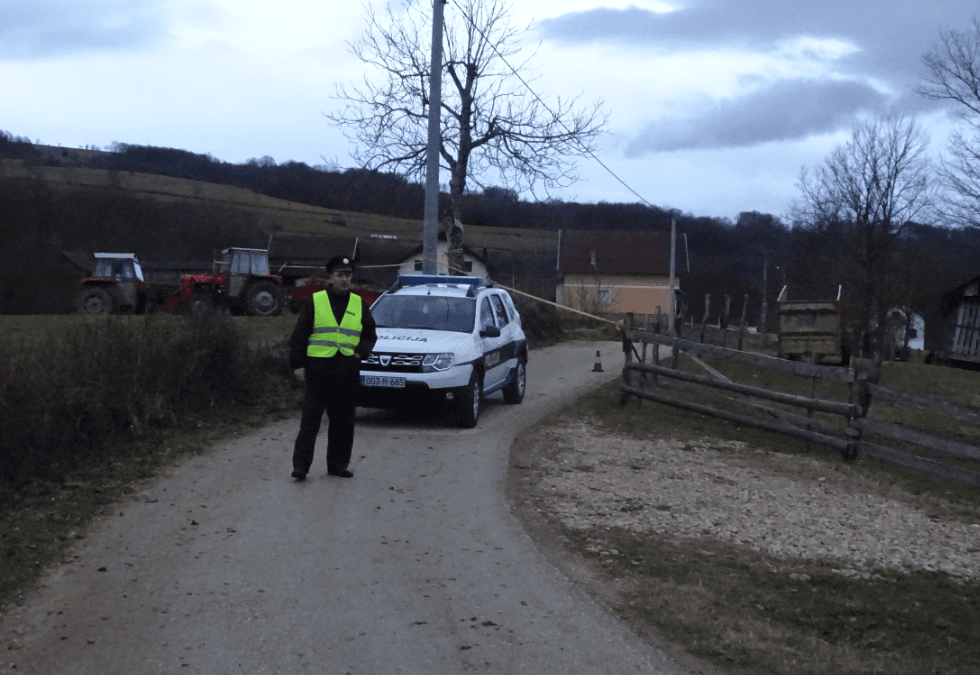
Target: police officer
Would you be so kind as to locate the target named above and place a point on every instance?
(334, 331)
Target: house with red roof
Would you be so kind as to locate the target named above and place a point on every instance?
(616, 272)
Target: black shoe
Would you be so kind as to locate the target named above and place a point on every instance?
(340, 473)
(299, 475)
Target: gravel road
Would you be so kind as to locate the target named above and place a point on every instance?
(416, 565)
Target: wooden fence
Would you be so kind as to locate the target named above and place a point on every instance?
(840, 421)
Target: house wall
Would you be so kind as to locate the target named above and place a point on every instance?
(617, 294)
(409, 265)
(917, 333)
(954, 332)
(965, 342)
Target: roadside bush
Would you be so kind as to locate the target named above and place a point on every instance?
(80, 397)
(540, 321)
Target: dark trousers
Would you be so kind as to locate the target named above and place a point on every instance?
(331, 385)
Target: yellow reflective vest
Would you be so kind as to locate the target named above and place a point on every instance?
(327, 337)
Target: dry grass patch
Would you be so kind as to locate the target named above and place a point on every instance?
(749, 552)
(93, 413)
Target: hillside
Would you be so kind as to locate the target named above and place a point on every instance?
(269, 214)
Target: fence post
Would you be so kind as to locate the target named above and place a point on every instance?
(655, 356)
(858, 389)
(813, 394)
(643, 349)
(867, 372)
(707, 310)
(646, 329)
(627, 358)
(678, 333)
(741, 328)
(723, 320)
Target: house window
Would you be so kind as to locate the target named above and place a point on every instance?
(605, 296)
(418, 265)
(468, 266)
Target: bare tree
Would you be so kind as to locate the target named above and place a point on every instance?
(874, 186)
(953, 74)
(494, 129)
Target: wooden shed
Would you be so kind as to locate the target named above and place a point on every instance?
(956, 335)
(809, 329)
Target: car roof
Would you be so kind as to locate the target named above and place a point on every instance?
(443, 290)
(114, 256)
(440, 285)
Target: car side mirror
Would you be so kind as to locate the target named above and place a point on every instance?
(490, 331)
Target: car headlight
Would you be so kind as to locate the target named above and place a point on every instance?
(434, 362)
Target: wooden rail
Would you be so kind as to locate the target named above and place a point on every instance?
(748, 412)
(711, 393)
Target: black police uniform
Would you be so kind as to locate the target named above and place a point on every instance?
(331, 385)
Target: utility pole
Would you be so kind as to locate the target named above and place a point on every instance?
(430, 218)
(765, 296)
(673, 295)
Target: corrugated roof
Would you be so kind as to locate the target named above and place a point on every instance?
(370, 251)
(615, 252)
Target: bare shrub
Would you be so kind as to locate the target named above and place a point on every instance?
(82, 396)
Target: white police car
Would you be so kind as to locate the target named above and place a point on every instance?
(447, 340)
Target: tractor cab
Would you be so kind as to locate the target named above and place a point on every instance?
(117, 267)
(241, 264)
(116, 284)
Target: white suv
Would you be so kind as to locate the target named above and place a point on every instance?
(442, 339)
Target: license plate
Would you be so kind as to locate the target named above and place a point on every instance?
(382, 381)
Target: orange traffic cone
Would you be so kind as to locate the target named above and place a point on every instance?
(597, 368)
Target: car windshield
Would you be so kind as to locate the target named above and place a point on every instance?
(425, 311)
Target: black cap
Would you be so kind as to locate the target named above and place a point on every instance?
(340, 262)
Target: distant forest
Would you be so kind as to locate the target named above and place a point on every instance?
(714, 255)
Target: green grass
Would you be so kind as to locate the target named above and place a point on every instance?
(953, 385)
(22, 333)
(743, 611)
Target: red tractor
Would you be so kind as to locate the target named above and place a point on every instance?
(239, 282)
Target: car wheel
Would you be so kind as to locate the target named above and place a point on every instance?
(95, 301)
(468, 410)
(514, 392)
(265, 299)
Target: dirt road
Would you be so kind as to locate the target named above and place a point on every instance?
(416, 565)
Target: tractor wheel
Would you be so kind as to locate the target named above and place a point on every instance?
(264, 299)
(199, 304)
(95, 301)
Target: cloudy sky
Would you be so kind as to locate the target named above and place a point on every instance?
(714, 105)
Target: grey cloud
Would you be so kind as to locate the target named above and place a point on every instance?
(892, 36)
(42, 28)
(787, 111)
